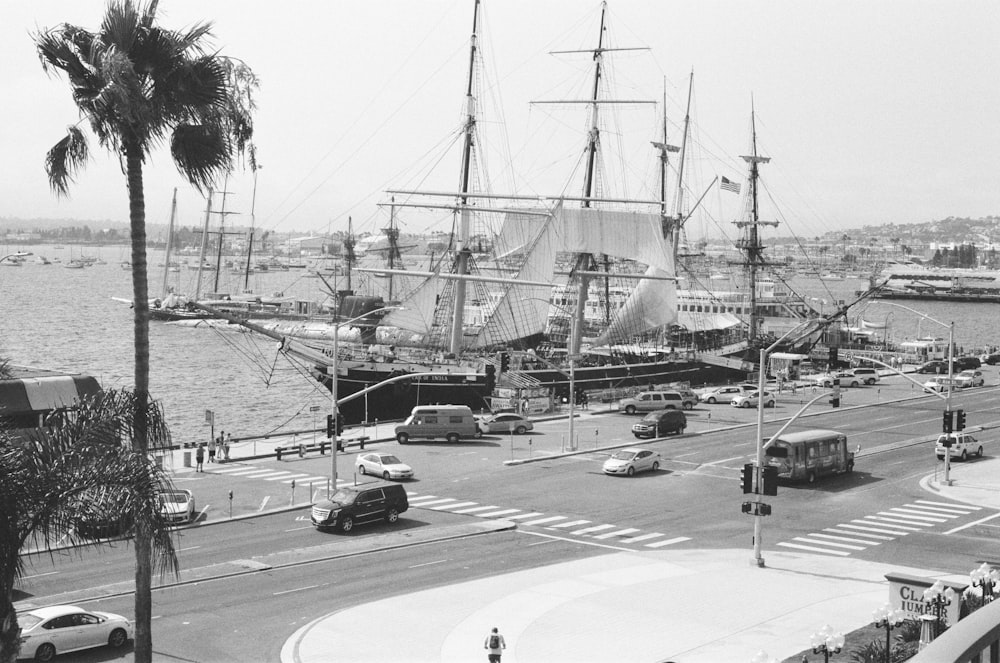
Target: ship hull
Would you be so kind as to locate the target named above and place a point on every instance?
(454, 386)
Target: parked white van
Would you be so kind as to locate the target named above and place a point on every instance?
(452, 422)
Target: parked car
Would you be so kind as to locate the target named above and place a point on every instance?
(970, 378)
(57, 629)
(724, 394)
(648, 401)
(752, 400)
(382, 465)
(868, 375)
(505, 422)
(178, 506)
(963, 445)
(819, 379)
(103, 513)
(940, 384)
(848, 378)
(991, 359)
(658, 424)
(361, 503)
(632, 460)
(934, 366)
(965, 363)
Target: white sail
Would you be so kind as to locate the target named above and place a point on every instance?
(652, 304)
(634, 235)
(417, 312)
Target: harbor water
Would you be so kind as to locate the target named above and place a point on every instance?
(69, 320)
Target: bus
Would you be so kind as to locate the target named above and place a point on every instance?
(809, 454)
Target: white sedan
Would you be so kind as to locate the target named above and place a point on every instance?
(57, 629)
(506, 422)
(632, 460)
(751, 400)
(178, 506)
(382, 465)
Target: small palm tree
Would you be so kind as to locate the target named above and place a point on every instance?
(137, 85)
(48, 479)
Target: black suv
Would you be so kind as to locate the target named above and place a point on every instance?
(658, 424)
(965, 363)
(358, 504)
(935, 366)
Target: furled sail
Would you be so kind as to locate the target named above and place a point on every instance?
(652, 304)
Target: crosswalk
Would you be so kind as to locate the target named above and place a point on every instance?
(862, 533)
(276, 476)
(556, 523)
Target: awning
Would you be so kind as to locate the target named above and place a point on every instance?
(696, 321)
(41, 394)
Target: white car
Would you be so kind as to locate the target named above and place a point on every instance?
(178, 506)
(383, 465)
(723, 394)
(970, 378)
(940, 384)
(46, 632)
(751, 400)
(505, 422)
(632, 460)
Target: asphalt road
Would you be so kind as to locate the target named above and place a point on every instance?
(693, 501)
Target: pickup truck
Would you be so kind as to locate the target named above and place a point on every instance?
(963, 445)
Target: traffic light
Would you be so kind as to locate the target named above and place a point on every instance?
(769, 479)
(764, 509)
(330, 428)
(746, 478)
(746, 507)
(504, 362)
(947, 423)
(832, 358)
(959, 419)
(491, 378)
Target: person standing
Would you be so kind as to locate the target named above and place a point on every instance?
(211, 449)
(494, 645)
(225, 446)
(199, 457)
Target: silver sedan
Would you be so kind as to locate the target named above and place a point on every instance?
(632, 460)
(382, 465)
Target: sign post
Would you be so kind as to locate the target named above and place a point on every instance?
(210, 418)
(314, 409)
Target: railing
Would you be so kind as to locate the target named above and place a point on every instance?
(974, 639)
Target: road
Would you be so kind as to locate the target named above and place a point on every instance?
(565, 509)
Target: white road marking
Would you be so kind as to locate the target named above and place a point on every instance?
(452, 506)
(494, 514)
(973, 524)
(475, 509)
(297, 589)
(642, 537)
(668, 542)
(870, 536)
(595, 528)
(621, 532)
(572, 523)
(545, 520)
(439, 561)
(811, 549)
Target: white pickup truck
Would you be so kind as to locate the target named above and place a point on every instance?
(963, 445)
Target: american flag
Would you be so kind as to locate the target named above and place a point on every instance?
(729, 185)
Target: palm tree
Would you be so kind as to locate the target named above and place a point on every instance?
(137, 84)
(48, 481)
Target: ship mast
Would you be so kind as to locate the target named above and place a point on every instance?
(751, 243)
(463, 252)
(170, 237)
(392, 238)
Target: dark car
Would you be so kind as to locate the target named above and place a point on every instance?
(359, 504)
(935, 366)
(965, 363)
(992, 360)
(658, 424)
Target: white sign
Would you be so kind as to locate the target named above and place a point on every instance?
(209, 417)
(314, 408)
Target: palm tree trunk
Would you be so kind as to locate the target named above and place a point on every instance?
(140, 302)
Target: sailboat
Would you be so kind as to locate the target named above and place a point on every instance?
(471, 327)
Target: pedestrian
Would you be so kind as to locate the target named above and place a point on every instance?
(225, 446)
(211, 449)
(494, 645)
(199, 456)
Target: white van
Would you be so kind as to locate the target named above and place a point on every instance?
(452, 422)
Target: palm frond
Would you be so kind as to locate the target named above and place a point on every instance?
(65, 159)
(201, 152)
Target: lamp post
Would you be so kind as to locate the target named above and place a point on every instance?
(332, 369)
(951, 373)
(987, 578)
(19, 254)
(939, 598)
(827, 642)
(887, 618)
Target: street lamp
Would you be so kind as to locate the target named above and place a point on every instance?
(19, 254)
(887, 618)
(332, 369)
(951, 373)
(827, 642)
(986, 577)
(939, 598)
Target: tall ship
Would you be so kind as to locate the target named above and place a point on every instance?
(559, 294)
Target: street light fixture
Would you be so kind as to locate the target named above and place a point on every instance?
(827, 642)
(332, 369)
(939, 598)
(887, 618)
(987, 578)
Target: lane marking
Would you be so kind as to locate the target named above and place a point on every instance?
(297, 589)
(952, 505)
(916, 515)
(475, 509)
(899, 523)
(883, 529)
(870, 536)
(52, 573)
(525, 515)
(811, 549)
(820, 535)
(642, 537)
(441, 500)
(452, 506)
(937, 509)
(494, 514)
(572, 523)
(545, 520)
(668, 542)
(583, 542)
(595, 528)
(621, 532)
(439, 561)
(973, 524)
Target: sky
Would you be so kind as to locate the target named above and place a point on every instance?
(871, 112)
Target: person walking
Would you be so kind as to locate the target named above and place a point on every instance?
(211, 448)
(199, 457)
(494, 645)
